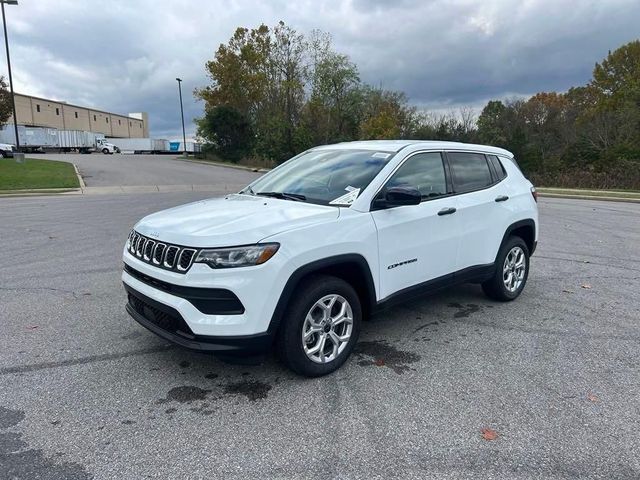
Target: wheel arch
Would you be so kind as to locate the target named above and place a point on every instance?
(525, 229)
(353, 268)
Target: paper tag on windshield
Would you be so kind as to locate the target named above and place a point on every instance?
(347, 198)
(380, 155)
(349, 188)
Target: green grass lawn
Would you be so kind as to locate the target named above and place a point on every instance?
(36, 174)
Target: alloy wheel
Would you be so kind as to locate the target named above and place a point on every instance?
(514, 268)
(327, 328)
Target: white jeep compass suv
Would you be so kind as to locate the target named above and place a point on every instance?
(303, 254)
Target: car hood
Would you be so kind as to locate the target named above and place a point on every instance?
(233, 220)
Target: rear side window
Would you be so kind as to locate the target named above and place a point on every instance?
(498, 168)
(423, 171)
(470, 171)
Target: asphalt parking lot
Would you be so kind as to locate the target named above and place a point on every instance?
(87, 393)
(100, 170)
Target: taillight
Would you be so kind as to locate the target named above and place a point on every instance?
(534, 193)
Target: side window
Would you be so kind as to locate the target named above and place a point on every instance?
(423, 171)
(498, 168)
(470, 171)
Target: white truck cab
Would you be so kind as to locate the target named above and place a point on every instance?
(302, 255)
(106, 147)
(6, 150)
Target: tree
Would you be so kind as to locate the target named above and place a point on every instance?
(334, 104)
(386, 115)
(617, 78)
(491, 123)
(228, 132)
(239, 72)
(6, 104)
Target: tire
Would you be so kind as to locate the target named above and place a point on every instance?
(507, 289)
(105, 151)
(304, 313)
(4, 154)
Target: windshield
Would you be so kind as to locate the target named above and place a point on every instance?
(325, 177)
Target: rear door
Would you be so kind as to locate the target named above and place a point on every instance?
(417, 243)
(482, 207)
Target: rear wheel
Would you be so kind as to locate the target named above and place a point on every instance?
(512, 271)
(321, 326)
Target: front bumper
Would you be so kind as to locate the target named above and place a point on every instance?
(167, 323)
(256, 291)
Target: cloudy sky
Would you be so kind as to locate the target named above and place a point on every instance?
(124, 55)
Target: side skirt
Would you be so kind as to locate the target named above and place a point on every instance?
(475, 274)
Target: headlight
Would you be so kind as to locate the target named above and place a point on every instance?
(238, 256)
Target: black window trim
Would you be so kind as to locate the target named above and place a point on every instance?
(496, 177)
(447, 173)
(447, 177)
(494, 180)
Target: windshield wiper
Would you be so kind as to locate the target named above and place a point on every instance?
(284, 196)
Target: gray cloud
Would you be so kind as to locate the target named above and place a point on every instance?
(124, 56)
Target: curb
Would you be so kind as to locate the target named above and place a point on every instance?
(125, 190)
(41, 192)
(80, 179)
(226, 165)
(589, 197)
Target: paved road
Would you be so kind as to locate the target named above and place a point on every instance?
(100, 170)
(85, 392)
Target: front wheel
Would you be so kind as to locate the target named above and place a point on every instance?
(105, 151)
(321, 326)
(512, 271)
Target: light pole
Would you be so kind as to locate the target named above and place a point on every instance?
(6, 44)
(184, 136)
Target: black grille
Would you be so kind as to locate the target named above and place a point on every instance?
(148, 249)
(185, 258)
(158, 254)
(170, 257)
(171, 322)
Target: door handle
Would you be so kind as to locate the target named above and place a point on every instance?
(447, 211)
(502, 198)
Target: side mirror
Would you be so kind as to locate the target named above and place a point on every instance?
(398, 196)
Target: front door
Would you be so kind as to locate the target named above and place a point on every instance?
(417, 243)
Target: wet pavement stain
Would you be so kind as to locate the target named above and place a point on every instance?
(252, 389)
(131, 336)
(464, 310)
(184, 364)
(211, 376)
(17, 460)
(381, 353)
(185, 394)
(421, 327)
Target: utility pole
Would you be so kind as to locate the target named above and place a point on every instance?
(184, 136)
(13, 97)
